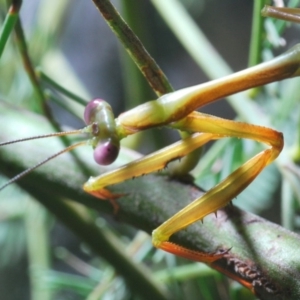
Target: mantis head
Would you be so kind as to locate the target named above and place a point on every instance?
(101, 127)
(106, 143)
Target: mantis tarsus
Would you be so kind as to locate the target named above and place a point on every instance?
(177, 110)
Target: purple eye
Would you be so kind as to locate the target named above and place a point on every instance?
(91, 110)
(105, 140)
(106, 153)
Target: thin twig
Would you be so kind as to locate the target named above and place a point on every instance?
(152, 72)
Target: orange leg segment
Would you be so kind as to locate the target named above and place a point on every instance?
(229, 188)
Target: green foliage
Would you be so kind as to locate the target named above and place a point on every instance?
(60, 266)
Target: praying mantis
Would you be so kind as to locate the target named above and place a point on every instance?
(177, 110)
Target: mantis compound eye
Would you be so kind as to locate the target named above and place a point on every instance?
(106, 152)
(105, 140)
(91, 110)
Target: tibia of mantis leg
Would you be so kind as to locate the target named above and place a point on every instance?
(207, 258)
(214, 199)
(145, 165)
(191, 254)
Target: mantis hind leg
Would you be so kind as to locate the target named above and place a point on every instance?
(225, 191)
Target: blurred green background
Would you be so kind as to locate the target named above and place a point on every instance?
(74, 46)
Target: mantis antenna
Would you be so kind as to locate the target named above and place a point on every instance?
(101, 127)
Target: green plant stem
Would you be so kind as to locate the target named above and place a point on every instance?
(182, 273)
(39, 257)
(151, 71)
(9, 23)
(64, 104)
(45, 78)
(55, 280)
(256, 34)
(21, 43)
(99, 290)
(138, 92)
(269, 260)
(192, 38)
